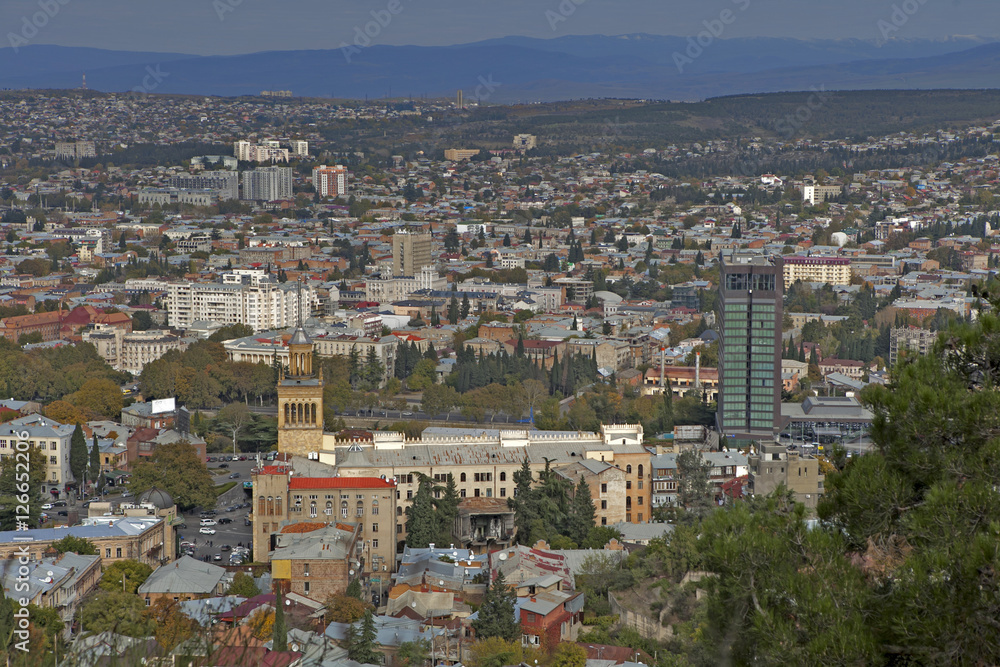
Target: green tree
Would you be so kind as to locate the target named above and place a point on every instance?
(496, 614)
(694, 492)
(125, 575)
(16, 485)
(78, 456)
(94, 465)
(354, 589)
(568, 654)
(177, 469)
(413, 654)
(76, 545)
(421, 522)
(115, 611)
(362, 647)
(446, 510)
(279, 639)
(243, 586)
(583, 513)
(100, 398)
(523, 503)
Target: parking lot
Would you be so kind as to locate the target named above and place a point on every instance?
(232, 533)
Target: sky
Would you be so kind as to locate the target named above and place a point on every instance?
(223, 27)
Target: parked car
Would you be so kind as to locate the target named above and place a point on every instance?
(223, 465)
(226, 547)
(217, 557)
(62, 513)
(225, 519)
(208, 522)
(126, 494)
(205, 530)
(47, 506)
(234, 475)
(59, 503)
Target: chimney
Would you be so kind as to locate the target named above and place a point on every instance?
(697, 370)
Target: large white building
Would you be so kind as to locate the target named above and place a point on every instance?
(260, 302)
(267, 151)
(226, 183)
(299, 148)
(330, 181)
(267, 184)
(49, 436)
(388, 290)
(131, 351)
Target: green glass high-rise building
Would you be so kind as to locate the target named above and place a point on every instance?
(750, 316)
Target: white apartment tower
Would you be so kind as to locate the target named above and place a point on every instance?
(267, 184)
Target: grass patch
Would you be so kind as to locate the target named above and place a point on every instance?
(222, 488)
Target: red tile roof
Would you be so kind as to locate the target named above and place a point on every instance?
(340, 483)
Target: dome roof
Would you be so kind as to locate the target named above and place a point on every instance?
(161, 499)
(300, 337)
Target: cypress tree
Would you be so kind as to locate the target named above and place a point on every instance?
(421, 523)
(78, 456)
(583, 513)
(94, 470)
(279, 636)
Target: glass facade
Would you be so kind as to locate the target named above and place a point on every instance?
(750, 347)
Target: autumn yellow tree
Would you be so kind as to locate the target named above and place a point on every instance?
(98, 397)
(261, 623)
(172, 627)
(65, 413)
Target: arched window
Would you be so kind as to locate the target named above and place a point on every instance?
(277, 505)
(503, 477)
(462, 479)
(329, 508)
(628, 470)
(361, 508)
(260, 505)
(288, 409)
(399, 511)
(312, 508)
(628, 502)
(270, 505)
(640, 472)
(343, 509)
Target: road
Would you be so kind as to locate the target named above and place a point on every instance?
(233, 533)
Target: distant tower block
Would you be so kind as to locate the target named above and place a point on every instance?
(83, 86)
(460, 101)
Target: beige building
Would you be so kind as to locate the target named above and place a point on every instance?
(410, 253)
(131, 351)
(281, 498)
(831, 270)
(300, 400)
(456, 154)
(775, 465)
(607, 488)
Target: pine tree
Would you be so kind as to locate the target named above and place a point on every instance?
(431, 353)
(527, 236)
(78, 456)
(435, 318)
(453, 310)
(523, 503)
(362, 647)
(506, 240)
(279, 635)
(519, 349)
(466, 307)
(446, 510)
(496, 614)
(583, 513)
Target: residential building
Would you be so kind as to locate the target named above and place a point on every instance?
(280, 497)
(131, 351)
(185, 579)
(607, 487)
(262, 303)
(909, 339)
(776, 465)
(832, 270)
(410, 253)
(267, 184)
(298, 147)
(116, 538)
(550, 617)
(316, 560)
(75, 150)
(167, 196)
(330, 181)
(225, 183)
(391, 290)
(813, 194)
(525, 142)
(750, 343)
(48, 436)
(60, 583)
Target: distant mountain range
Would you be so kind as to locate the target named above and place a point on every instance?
(520, 69)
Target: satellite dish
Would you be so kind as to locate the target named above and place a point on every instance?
(503, 556)
(351, 572)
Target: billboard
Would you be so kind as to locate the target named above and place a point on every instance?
(164, 405)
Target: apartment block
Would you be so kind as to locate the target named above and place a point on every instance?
(267, 184)
(263, 304)
(410, 253)
(832, 270)
(330, 181)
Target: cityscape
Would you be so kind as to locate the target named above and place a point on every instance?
(498, 374)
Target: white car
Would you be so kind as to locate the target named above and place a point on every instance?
(205, 530)
(47, 506)
(209, 522)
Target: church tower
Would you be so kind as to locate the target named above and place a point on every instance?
(300, 400)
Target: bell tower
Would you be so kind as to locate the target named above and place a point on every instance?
(300, 398)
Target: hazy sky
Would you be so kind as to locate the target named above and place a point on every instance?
(245, 26)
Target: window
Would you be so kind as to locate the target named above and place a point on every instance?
(604, 520)
(640, 472)
(305, 586)
(53, 460)
(628, 469)
(399, 511)
(503, 477)
(477, 493)
(639, 501)
(503, 492)
(409, 494)
(374, 544)
(312, 508)
(118, 552)
(640, 485)
(374, 527)
(399, 528)
(305, 569)
(461, 493)
(604, 504)
(360, 509)
(343, 510)
(374, 508)
(628, 485)
(329, 508)
(107, 552)
(604, 488)
(462, 477)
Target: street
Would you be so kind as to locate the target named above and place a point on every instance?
(231, 534)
